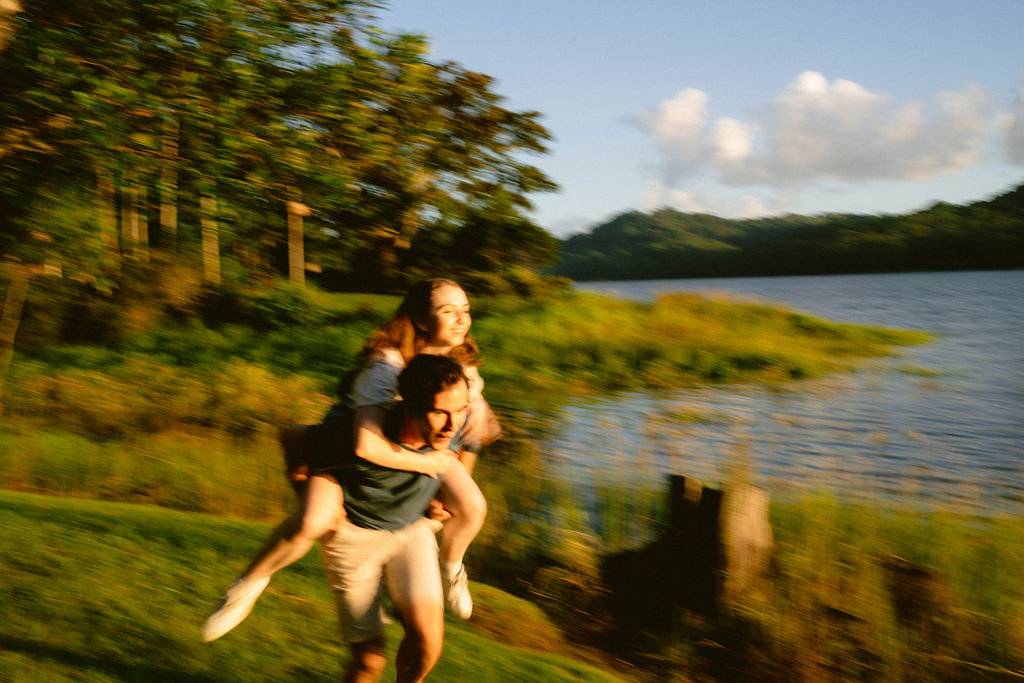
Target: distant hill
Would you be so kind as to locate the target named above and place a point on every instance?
(671, 244)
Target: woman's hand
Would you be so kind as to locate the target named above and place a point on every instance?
(482, 428)
(436, 462)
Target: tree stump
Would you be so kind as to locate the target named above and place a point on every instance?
(746, 536)
(721, 542)
(718, 546)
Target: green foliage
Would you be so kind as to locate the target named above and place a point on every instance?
(120, 123)
(670, 244)
(833, 596)
(239, 378)
(60, 310)
(261, 308)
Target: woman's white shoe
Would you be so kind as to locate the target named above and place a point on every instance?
(238, 601)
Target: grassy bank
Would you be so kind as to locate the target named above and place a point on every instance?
(114, 592)
(183, 416)
(236, 377)
(871, 592)
(98, 591)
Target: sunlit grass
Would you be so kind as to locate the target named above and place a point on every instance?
(111, 592)
(603, 343)
(191, 472)
(832, 603)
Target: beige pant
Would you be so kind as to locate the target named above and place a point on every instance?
(359, 562)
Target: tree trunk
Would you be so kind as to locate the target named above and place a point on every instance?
(169, 184)
(211, 239)
(9, 320)
(723, 541)
(106, 208)
(296, 249)
(747, 539)
(129, 220)
(8, 8)
(140, 216)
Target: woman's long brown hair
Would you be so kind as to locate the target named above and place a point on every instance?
(400, 332)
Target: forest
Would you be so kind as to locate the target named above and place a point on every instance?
(240, 141)
(670, 244)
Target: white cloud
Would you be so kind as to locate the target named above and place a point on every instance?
(658, 196)
(816, 130)
(733, 141)
(1015, 131)
(679, 127)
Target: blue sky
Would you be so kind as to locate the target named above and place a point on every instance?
(746, 109)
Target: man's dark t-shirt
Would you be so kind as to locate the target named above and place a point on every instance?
(375, 497)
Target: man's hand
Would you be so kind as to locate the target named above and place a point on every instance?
(438, 512)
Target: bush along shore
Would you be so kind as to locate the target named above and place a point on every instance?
(165, 406)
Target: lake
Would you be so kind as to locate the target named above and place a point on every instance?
(938, 424)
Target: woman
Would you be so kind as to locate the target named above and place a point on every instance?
(433, 318)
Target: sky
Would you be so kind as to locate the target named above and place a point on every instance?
(749, 108)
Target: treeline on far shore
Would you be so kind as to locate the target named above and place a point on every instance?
(670, 244)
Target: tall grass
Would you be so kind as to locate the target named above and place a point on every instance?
(587, 341)
(240, 478)
(888, 593)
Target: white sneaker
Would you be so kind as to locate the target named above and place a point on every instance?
(234, 608)
(456, 592)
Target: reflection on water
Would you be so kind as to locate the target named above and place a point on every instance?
(941, 422)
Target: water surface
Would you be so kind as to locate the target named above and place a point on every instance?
(941, 423)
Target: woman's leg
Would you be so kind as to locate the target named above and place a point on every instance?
(293, 538)
(289, 542)
(463, 499)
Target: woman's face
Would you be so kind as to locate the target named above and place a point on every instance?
(448, 320)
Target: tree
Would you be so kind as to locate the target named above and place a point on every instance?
(230, 114)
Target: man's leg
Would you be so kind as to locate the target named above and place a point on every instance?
(368, 662)
(420, 649)
(353, 562)
(414, 584)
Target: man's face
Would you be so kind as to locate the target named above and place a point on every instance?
(439, 425)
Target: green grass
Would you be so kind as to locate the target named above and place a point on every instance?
(97, 591)
(586, 342)
(240, 478)
(184, 416)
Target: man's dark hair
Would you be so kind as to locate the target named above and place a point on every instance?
(425, 376)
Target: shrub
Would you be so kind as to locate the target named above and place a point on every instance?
(282, 306)
(143, 396)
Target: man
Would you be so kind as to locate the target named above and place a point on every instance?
(387, 540)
